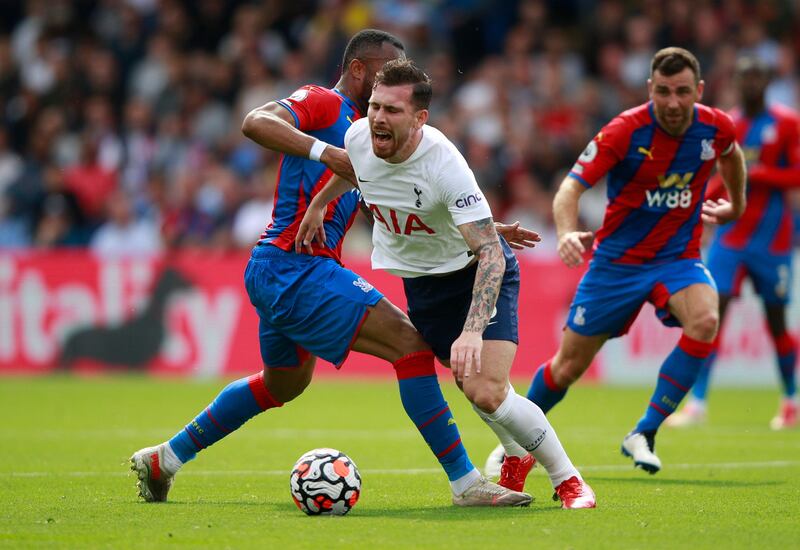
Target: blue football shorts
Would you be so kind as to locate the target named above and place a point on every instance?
(771, 274)
(306, 305)
(610, 295)
(438, 305)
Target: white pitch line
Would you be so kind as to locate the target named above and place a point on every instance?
(419, 471)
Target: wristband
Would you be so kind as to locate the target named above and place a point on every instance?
(316, 150)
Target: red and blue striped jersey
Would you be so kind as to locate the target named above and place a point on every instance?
(771, 144)
(325, 114)
(655, 183)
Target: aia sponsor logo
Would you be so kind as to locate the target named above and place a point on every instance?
(411, 224)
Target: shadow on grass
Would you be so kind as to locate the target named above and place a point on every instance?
(695, 482)
(433, 512)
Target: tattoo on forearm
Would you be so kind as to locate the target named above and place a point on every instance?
(481, 236)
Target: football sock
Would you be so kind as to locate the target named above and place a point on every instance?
(676, 376)
(530, 428)
(786, 349)
(240, 401)
(700, 387)
(544, 391)
(425, 405)
(510, 447)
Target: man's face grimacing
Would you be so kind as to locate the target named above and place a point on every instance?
(674, 98)
(394, 121)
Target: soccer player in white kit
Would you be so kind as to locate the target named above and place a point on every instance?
(433, 227)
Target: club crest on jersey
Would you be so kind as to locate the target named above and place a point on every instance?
(579, 318)
(362, 284)
(590, 152)
(708, 152)
(299, 95)
(769, 134)
(418, 193)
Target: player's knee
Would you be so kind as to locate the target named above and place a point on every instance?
(285, 386)
(407, 339)
(487, 397)
(703, 326)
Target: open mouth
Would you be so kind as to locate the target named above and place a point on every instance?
(381, 136)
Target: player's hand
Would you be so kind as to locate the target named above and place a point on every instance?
(573, 245)
(720, 211)
(312, 227)
(465, 355)
(516, 236)
(337, 160)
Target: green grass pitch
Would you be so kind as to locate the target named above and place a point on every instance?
(64, 476)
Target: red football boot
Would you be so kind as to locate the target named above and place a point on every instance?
(514, 471)
(575, 493)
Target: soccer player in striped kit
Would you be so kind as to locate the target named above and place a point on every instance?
(759, 244)
(311, 306)
(658, 158)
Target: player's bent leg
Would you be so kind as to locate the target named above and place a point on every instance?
(389, 334)
(786, 355)
(499, 405)
(574, 355)
(697, 309)
(155, 467)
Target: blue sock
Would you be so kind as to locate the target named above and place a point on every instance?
(786, 349)
(676, 376)
(240, 401)
(700, 387)
(424, 403)
(544, 391)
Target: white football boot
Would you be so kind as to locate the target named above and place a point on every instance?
(641, 448)
(154, 480)
(494, 462)
(485, 493)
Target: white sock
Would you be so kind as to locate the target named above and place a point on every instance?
(458, 486)
(529, 427)
(171, 461)
(511, 447)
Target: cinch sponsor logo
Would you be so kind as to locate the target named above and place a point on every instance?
(469, 200)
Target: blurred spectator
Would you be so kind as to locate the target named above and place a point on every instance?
(123, 235)
(91, 182)
(143, 99)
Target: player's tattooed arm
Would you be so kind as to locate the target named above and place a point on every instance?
(481, 237)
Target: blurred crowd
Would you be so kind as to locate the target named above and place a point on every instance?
(120, 119)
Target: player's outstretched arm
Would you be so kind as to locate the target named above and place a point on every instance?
(516, 236)
(272, 127)
(572, 243)
(481, 237)
(312, 226)
(733, 171)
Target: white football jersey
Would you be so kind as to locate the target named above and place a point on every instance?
(417, 204)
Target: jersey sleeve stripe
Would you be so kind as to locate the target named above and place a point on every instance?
(580, 179)
(286, 106)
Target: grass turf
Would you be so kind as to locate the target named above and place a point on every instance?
(64, 478)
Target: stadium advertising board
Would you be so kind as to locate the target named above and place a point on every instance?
(190, 316)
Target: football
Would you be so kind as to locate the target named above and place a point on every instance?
(325, 482)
